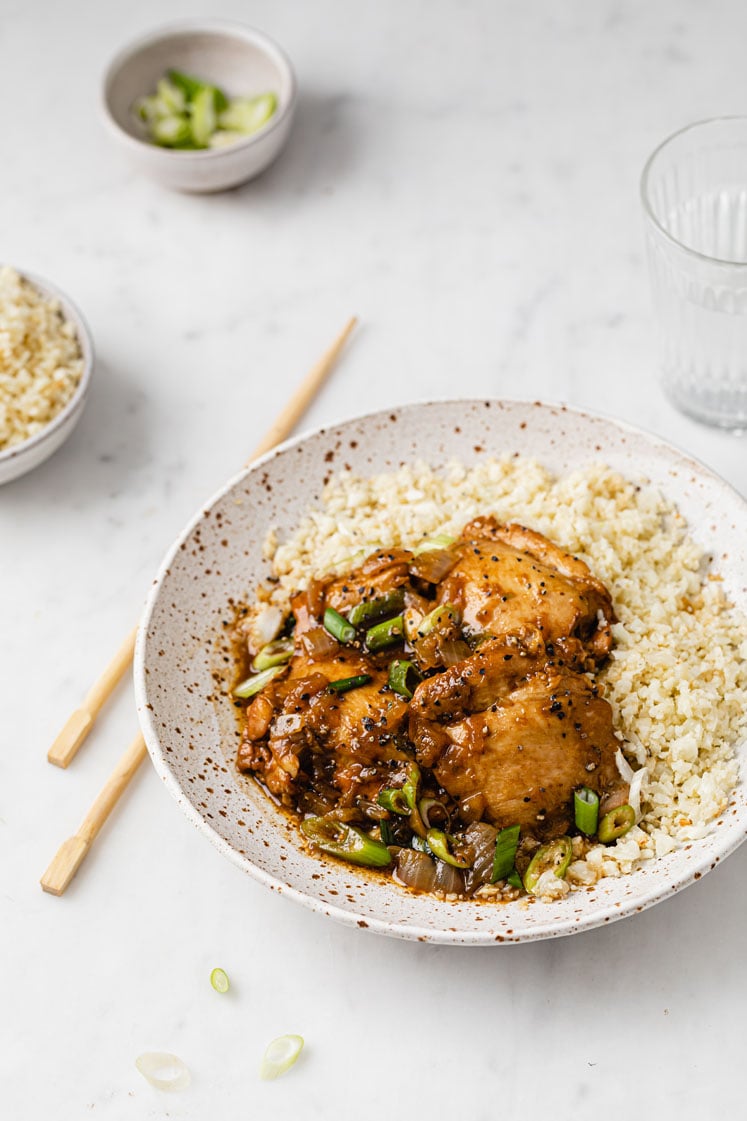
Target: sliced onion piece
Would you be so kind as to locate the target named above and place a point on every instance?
(163, 1070)
(624, 768)
(634, 796)
(280, 1056)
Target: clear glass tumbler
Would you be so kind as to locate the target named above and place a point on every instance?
(694, 193)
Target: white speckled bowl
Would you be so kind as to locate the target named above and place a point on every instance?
(189, 726)
(240, 60)
(20, 458)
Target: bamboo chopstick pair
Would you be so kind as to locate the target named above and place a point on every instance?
(73, 851)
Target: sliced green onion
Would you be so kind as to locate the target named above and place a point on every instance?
(256, 684)
(440, 541)
(426, 807)
(171, 132)
(393, 799)
(338, 626)
(506, 845)
(419, 844)
(554, 857)
(280, 1055)
(345, 684)
(385, 634)
(163, 1070)
(440, 844)
(247, 115)
(444, 613)
(219, 980)
(411, 785)
(341, 839)
(191, 86)
(403, 675)
(171, 96)
(586, 810)
(515, 880)
(275, 653)
(368, 611)
(616, 823)
(387, 836)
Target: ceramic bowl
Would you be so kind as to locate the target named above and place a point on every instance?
(190, 727)
(20, 458)
(240, 60)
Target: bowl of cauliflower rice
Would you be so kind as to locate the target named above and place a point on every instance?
(46, 362)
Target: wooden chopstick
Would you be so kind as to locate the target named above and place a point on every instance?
(80, 722)
(72, 852)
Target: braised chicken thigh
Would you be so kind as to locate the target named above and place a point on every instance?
(429, 701)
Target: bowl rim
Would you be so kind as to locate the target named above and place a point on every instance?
(196, 26)
(71, 312)
(606, 912)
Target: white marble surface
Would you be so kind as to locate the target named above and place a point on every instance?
(464, 177)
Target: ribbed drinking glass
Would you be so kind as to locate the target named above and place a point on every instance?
(694, 193)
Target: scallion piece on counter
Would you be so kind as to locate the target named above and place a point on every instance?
(256, 684)
(440, 845)
(280, 1056)
(219, 980)
(385, 634)
(616, 824)
(340, 839)
(345, 684)
(554, 858)
(338, 626)
(506, 845)
(403, 678)
(275, 653)
(366, 612)
(586, 810)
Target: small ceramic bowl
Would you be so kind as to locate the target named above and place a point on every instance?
(239, 60)
(20, 458)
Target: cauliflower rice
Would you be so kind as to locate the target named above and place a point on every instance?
(40, 359)
(677, 676)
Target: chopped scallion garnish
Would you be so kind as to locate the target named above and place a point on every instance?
(338, 626)
(441, 845)
(445, 613)
(586, 810)
(368, 611)
(403, 678)
(256, 684)
(393, 799)
(275, 653)
(341, 839)
(616, 823)
(554, 858)
(506, 845)
(440, 541)
(385, 634)
(345, 684)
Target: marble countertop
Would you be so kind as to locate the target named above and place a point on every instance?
(464, 177)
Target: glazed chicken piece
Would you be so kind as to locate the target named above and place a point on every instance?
(510, 736)
(380, 574)
(510, 579)
(298, 726)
